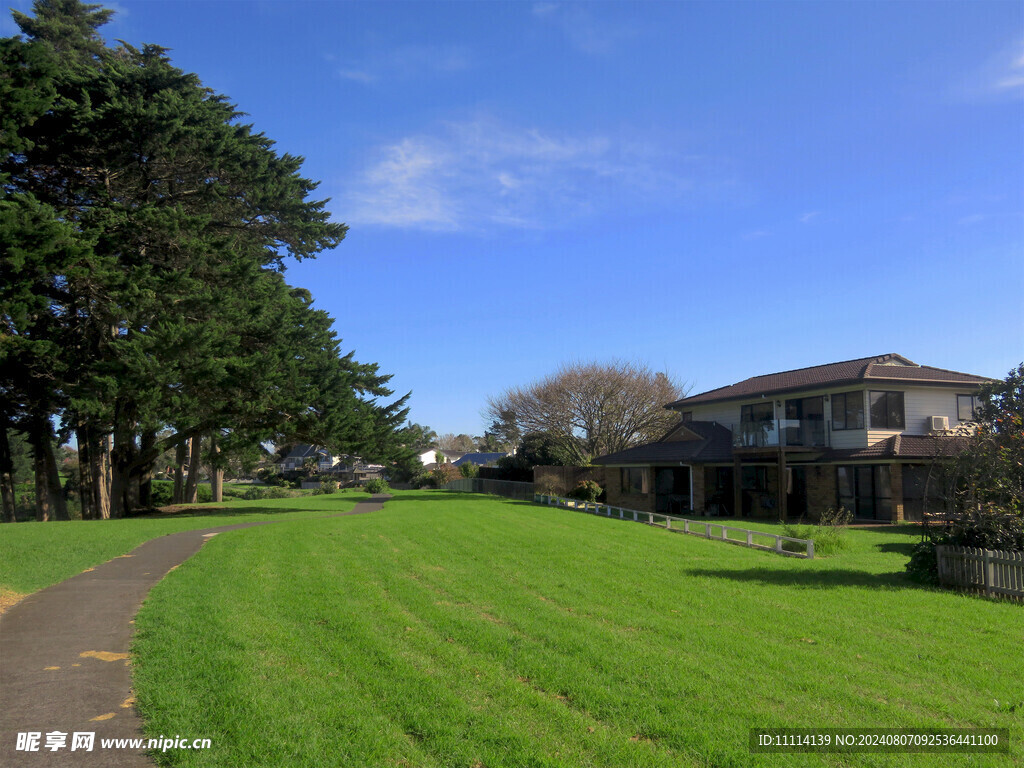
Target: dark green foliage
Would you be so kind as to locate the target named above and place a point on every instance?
(144, 230)
(586, 490)
(469, 469)
(377, 485)
(983, 482)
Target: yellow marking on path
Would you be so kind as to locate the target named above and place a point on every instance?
(121, 556)
(51, 667)
(128, 702)
(102, 717)
(103, 655)
(76, 665)
(89, 569)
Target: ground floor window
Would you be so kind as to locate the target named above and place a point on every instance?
(754, 478)
(634, 480)
(865, 490)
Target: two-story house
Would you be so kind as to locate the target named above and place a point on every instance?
(296, 459)
(862, 434)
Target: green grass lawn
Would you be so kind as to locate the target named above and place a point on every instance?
(36, 555)
(461, 630)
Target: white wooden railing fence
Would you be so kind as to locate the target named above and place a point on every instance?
(703, 528)
(993, 572)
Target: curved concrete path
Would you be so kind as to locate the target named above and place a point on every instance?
(64, 664)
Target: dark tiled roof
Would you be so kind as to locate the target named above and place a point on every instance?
(887, 368)
(479, 458)
(714, 444)
(903, 447)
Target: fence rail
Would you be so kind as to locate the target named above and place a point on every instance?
(993, 572)
(703, 528)
(506, 488)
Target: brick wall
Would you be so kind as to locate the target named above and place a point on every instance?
(821, 490)
(896, 480)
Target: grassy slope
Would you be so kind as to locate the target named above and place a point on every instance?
(454, 630)
(36, 555)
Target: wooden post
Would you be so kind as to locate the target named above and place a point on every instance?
(782, 495)
(989, 573)
(737, 491)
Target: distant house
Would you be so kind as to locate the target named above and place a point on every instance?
(859, 433)
(295, 461)
(354, 470)
(450, 457)
(480, 459)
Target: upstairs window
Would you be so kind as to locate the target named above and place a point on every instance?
(887, 410)
(967, 407)
(848, 410)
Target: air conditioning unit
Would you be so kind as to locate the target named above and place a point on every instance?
(938, 423)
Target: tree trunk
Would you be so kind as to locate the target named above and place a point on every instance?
(58, 504)
(191, 484)
(85, 474)
(216, 471)
(123, 496)
(49, 497)
(180, 452)
(147, 443)
(42, 493)
(6, 478)
(99, 467)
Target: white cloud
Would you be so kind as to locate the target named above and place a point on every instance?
(407, 62)
(481, 174)
(585, 33)
(1012, 75)
(807, 218)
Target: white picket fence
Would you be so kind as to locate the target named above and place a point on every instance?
(704, 528)
(993, 572)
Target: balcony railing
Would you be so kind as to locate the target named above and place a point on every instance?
(807, 433)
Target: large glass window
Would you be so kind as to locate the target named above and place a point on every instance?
(848, 410)
(757, 424)
(756, 413)
(634, 480)
(967, 407)
(886, 410)
(865, 490)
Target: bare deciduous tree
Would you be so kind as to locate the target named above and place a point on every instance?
(591, 408)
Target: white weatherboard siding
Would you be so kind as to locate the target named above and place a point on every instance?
(921, 404)
(726, 414)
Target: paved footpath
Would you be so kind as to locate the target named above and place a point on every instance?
(64, 661)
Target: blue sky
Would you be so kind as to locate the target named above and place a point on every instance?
(718, 190)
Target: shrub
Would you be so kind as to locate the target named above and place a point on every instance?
(422, 480)
(444, 474)
(828, 535)
(984, 528)
(586, 490)
(923, 565)
(329, 486)
(377, 485)
(270, 477)
(272, 492)
(469, 469)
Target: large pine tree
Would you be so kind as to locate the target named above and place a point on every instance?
(151, 301)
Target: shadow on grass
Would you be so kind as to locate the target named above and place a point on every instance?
(824, 579)
(183, 512)
(897, 548)
(442, 495)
